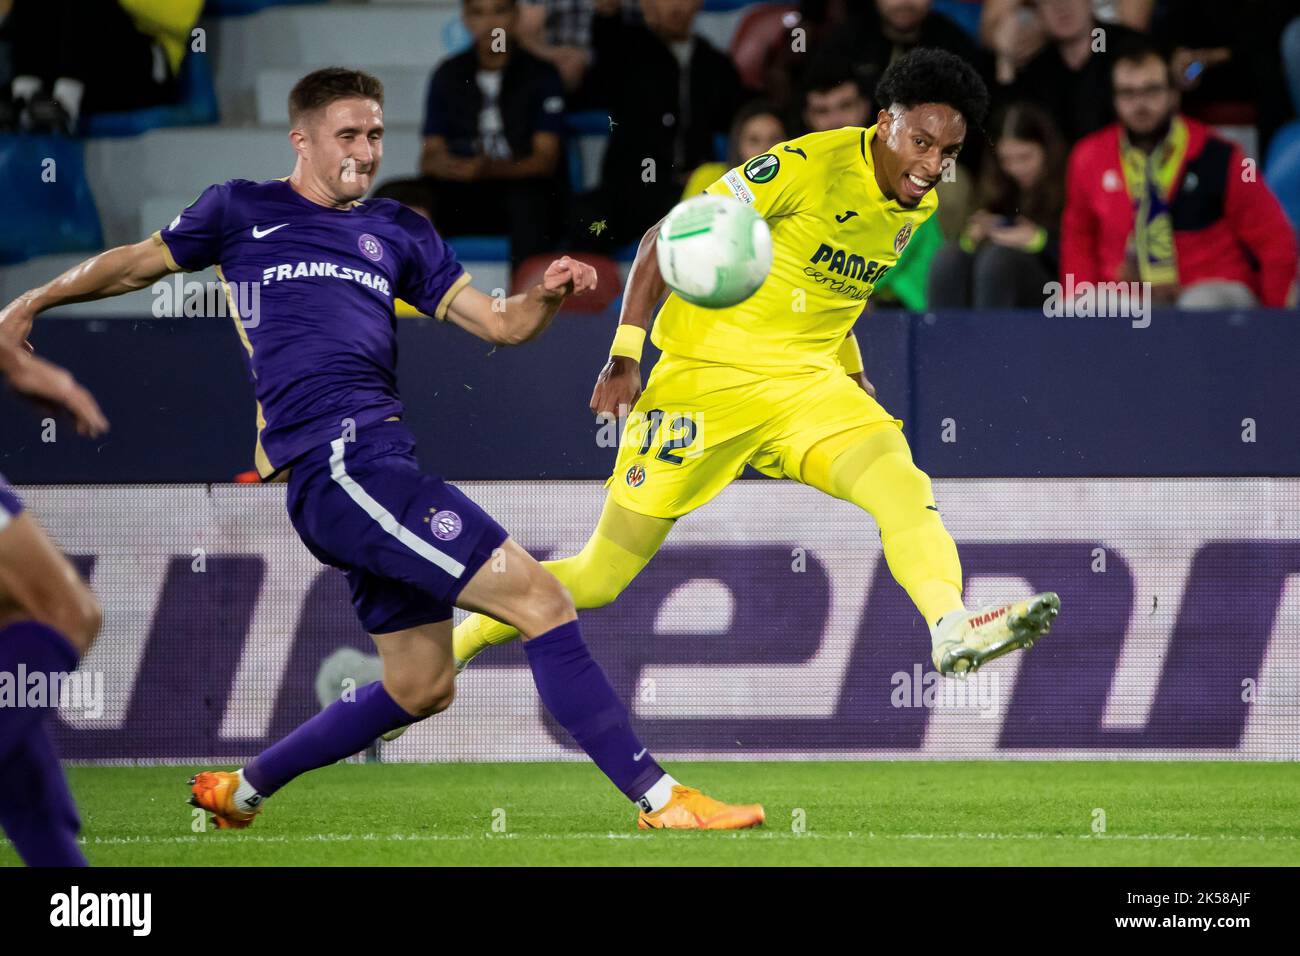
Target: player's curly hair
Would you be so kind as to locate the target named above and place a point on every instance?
(929, 75)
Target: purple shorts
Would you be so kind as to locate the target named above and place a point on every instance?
(10, 504)
(408, 542)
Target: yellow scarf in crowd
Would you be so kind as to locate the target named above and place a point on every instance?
(168, 21)
(1150, 181)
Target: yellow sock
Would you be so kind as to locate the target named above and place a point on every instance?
(622, 544)
(873, 468)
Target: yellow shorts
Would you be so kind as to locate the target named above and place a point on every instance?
(697, 425)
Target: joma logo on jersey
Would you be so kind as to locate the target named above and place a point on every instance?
(332, 270)
(848, 264)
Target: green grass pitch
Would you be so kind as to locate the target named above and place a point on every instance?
(880, 813)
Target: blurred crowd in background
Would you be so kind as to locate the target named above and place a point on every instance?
(1130, 140)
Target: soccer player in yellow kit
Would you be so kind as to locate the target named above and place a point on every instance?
(777, 381)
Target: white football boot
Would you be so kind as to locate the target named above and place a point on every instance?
(966, 642)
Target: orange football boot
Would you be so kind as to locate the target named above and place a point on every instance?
(691, 810)
(214, 791)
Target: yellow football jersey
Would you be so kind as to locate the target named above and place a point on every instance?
(834, 235)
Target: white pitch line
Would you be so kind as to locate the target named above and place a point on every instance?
(769, 835)
(1098, 837)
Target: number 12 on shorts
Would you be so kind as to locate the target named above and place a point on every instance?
(682, 425)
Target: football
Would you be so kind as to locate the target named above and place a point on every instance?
(714, 251)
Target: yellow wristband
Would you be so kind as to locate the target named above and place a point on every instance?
(629, 340)
(850, 355)
(1039, 242)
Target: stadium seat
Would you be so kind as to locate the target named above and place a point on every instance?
(53, 219)
(586, 123)
(197, 106)
(964, 13)
(586, 133)
(125, 172)
(239, 8)
(455, 37)
(1285, 141)
(608, 282)
(1226, 113)
(1282, 170)
(759, 30)
(404, 92)
(489, 248)
(573, 164)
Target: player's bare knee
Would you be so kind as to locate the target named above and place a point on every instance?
(436, 697)
(544, 605)
(423, 697)
(553, 602)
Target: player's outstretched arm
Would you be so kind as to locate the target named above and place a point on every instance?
(47, 384)
(525, 316)
(119, 270)
(618, 385)
(850, 356)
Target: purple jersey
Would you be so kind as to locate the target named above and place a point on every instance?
(312, 289)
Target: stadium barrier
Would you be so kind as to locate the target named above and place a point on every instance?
(768, 627)
(981, 395)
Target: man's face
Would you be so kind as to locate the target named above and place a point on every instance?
(903, 16)
(486, 20)
(671, 19)
(1066, 19)
(1144, 97)
(343, 145)
(918, 145)
(843, 105)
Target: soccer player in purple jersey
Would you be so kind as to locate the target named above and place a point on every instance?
(48, 620)
(311, 273)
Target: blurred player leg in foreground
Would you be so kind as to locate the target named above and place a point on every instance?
(48, 620)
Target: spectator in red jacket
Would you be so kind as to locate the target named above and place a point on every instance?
(1159, 198)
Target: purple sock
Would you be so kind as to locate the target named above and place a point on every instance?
(29, 647)
(36, 808)
(338, 731)
(578, 694)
